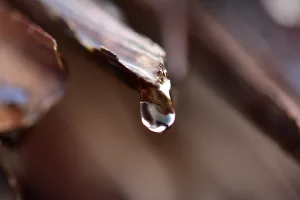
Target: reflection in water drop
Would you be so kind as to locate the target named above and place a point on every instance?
(153, 119)
(156, 105)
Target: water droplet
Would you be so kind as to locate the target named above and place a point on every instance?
(153, 119)
(156, 106)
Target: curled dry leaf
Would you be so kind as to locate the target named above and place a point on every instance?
(135, 59)
(32, 75)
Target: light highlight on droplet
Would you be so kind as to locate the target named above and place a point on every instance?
(155, 120)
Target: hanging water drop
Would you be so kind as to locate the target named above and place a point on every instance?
(156, 107)
(153, 119)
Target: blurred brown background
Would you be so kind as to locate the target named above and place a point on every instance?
(93, 145)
